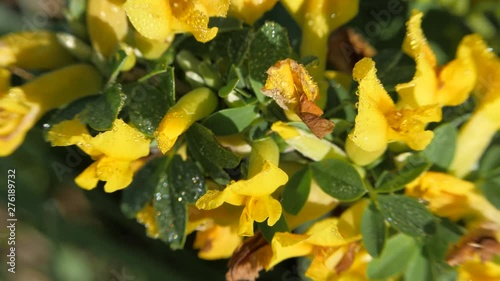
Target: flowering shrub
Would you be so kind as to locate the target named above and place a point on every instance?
(275, 130)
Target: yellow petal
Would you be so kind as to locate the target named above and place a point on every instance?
(193, 106)
(33, 50)
(122, 142)
(287, 82)
(250, 10)
(116, 173)
(68, 132)
(17, 116)
(479, 270)
(211, 200)
(261, 208)
(264, 183)
(325, 233)
(415, 43)
(152, 49)
(447, 196)
(263, 150)
(217, 242)
(408, 125)
(317, 204)
(371, 127)
(151, 18)
(287, 245)
(349, 224)
(307, 144)
(147, 217)
(88, 178)
(245, 227)
(360, 156)
(62, 86)
(457, 80)
(193, 16)
(4, 80)
(107, 25)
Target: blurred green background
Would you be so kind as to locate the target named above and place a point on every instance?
(68, 234)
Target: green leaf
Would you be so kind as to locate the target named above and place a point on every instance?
(149, 100)
(142, 189)
(338, 179)
(407, 215)
(269, 45)
(118, 60)
(269, 231)
(490, 163)
(491, 190)
(393, 67)
(183, 183)
(437, 247)
(414, 166)
(203, 146)
(373, 230)
(231, 121)
(394, 258)
(296, 191)
(70, 111)
(418, 268)
(441, 150)
(102, 112)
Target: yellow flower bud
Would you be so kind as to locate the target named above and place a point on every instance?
(193, 106)
(33, 50)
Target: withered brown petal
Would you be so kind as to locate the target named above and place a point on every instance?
(310, 114)
(346, 47)
(244, 264)
(481, 243)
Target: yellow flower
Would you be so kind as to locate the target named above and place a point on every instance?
(379, 121)
(451, 197)
(479, 270)
(448, 86)
(193, 106)
(217, 231)
(289, 84)
(254, 193)
(114, 152)
(157, 19)
(33, 50)
(485, 120)
(250, 10)
(307, 144)
(329, 242)
(318, 18)
(21, 107)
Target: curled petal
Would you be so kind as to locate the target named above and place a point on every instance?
(88, 178)
(193, 16)
(193, 106)
(264, 183)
